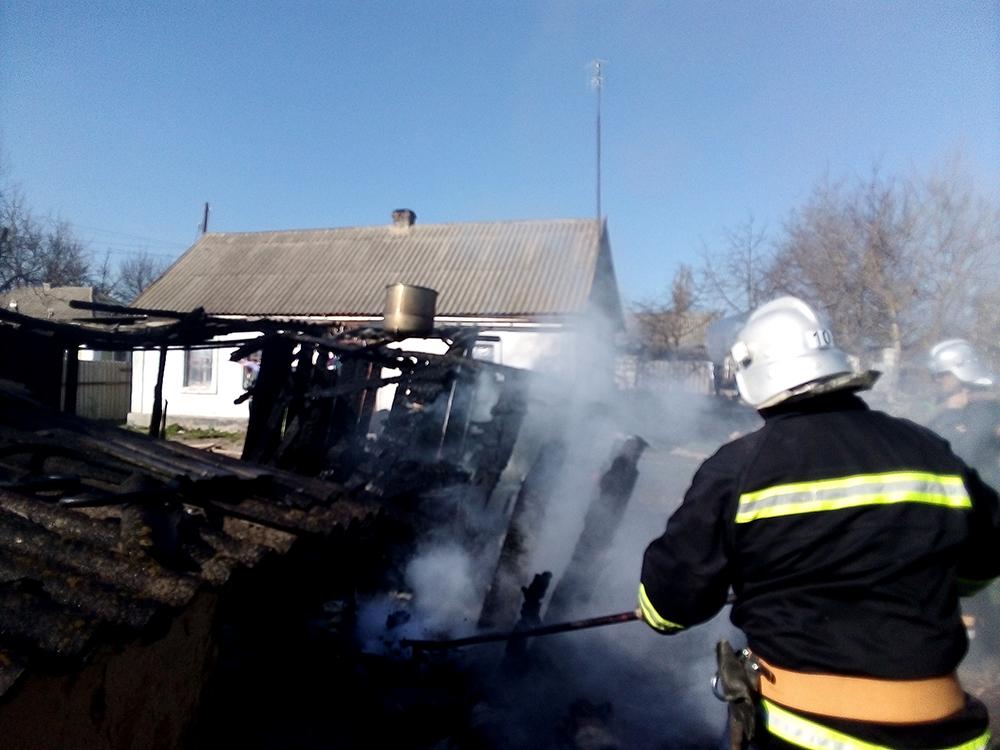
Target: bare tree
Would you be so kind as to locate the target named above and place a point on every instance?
(737, 277)
(847, 251)
(136, 273)
(20, 240)
(64, 260)
(897, 265)
(957, 242)
(102, 276)
(664, 327)
(32, 253)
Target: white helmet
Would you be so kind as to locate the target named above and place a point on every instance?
(958, 357)
(784, 350)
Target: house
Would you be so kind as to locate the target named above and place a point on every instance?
(100, 380)
(530, 287)
(52, 303)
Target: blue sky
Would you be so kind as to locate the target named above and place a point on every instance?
(124, 118)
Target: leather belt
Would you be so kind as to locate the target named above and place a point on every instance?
(863, 698)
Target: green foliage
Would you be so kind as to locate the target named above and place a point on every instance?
(199, 433)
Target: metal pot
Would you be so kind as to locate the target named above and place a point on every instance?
(409, 310)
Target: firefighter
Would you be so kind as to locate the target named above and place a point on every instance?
(968, 414)
(847, 537)
(968, 417)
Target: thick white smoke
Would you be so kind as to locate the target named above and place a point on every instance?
(658, 687)
(447, 599)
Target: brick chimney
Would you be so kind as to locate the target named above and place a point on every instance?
(403, 217)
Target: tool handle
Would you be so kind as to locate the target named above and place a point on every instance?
(562, 627)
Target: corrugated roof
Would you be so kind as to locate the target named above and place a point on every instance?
(52, 302)
(72, 578)
(494, 269)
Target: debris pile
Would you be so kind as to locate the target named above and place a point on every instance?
(110, 539)
(240, 587)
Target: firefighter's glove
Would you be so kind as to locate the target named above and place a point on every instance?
(738, 686)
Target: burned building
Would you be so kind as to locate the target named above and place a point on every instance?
(528, 287)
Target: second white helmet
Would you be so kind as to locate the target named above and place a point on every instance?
(785, 350)
(961, 359)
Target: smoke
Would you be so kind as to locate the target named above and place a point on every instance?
(441, 600)
(657, 688)
(643, 689)
(447, 600)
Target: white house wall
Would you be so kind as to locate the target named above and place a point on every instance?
(210, 406)
(547, 349)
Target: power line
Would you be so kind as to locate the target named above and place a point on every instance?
(117, 250)
(138, 238)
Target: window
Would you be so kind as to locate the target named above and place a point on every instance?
(113, 356)
(198, 369)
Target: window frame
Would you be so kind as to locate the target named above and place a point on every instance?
(202, 385)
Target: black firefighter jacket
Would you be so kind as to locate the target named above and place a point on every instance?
(846, 536)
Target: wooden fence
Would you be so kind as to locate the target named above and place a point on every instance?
(684, 376)
(104, 390)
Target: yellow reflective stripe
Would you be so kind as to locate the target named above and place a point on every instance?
(813, 736)
(852, 492)
(651, 616)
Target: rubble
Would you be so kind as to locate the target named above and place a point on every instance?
(109, 538)
(224, 581)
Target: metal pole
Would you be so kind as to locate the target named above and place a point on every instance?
(597, 82)
(447, 416)
(72, 378)
(562, 627)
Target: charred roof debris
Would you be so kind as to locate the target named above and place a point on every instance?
(118, 555)
(124, 554)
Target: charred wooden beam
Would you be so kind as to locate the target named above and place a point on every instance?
(125, 309)
(156, 416)
(516, 656)
(600, 524)
(265, 407)
(503, 596)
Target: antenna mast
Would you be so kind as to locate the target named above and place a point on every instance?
(596, 81)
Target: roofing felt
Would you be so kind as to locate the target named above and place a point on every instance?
(71, 575)
(492, 269)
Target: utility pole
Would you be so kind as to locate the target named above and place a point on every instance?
(596, 81)
(204, 221)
